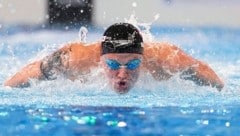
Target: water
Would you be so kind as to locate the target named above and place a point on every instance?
(80, 120)
(173, 107)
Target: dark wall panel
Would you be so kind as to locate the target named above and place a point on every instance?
(70, 12)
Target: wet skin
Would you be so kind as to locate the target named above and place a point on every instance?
(123, 79)
(162, 60)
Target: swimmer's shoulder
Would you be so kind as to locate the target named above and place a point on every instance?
(79, 49)
(81, 53)
(158, 49)
(80, 46)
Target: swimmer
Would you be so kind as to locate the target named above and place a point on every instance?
(122, 54)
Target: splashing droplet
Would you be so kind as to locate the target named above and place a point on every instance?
(143, 27)
(66, 27)
(156, 17)
(134, 4)
(83, 34)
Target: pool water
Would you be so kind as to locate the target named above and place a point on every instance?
(173, 107)
(81, 120)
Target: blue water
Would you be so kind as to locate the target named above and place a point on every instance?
(80, 120)
(173, 107)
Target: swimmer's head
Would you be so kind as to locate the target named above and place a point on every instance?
(122, 38)
(122, 56)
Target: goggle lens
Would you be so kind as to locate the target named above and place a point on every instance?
(131, 65)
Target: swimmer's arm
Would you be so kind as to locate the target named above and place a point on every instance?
(194, 70)
(47, 68)
(68, 61)
(203, 75)
(170, 60)
(21, 78)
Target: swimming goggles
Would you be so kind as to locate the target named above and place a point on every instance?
(115, 65)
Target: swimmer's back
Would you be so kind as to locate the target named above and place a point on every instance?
(82, 56)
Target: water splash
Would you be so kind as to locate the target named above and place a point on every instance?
(147, 91)
(83, 34)
(156, 17)
(143, 27)
(134, 4)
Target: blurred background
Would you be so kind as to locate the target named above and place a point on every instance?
(73, 13)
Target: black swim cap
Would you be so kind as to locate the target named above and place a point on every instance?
(122, 38)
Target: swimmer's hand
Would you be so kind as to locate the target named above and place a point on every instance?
(219, 86)
(203, 75)
(21, 79)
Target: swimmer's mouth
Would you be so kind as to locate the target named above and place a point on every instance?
(122, 87)
(122, 83)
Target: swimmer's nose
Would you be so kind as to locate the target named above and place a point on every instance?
(122, 73)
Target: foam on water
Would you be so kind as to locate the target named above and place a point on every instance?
(21, 48)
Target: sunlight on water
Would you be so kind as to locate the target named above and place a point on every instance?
(21, 48)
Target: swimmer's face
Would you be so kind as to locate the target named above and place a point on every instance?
(122, 70)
